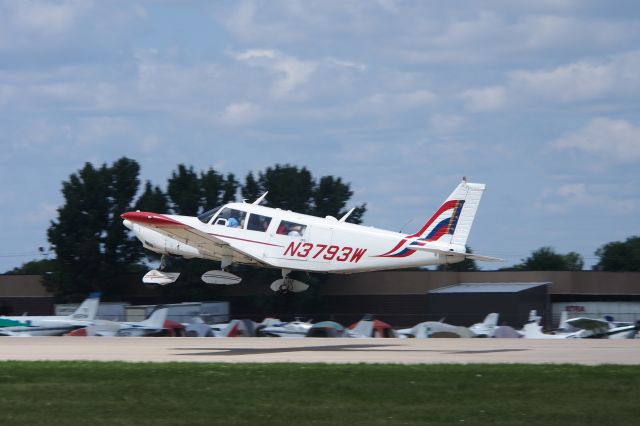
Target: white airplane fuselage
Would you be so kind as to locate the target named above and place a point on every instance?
(327, 245)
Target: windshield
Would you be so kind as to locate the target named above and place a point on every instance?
(206, 216)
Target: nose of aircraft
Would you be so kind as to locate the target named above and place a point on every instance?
(128, 224)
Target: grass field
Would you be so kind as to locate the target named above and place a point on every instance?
(93, 393)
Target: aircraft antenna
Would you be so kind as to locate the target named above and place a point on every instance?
(344, 218)
(405, 224)
(259, 200)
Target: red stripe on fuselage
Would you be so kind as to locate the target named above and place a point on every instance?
(393, 249)
(151, 219)
(244, 239)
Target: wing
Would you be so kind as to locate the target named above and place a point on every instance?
(588, 323)
(179, 229)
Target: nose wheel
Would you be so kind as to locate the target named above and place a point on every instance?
(288, 285)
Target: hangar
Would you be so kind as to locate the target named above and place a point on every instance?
(400, 298)
(463, 304)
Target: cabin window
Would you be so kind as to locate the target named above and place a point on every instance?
(231, 218)
(291, 228)
(258, 222)
(206, 216)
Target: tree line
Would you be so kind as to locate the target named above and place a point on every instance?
(91, 245)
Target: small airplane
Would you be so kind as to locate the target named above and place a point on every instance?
(604, 328)
(487, 327)
(252, 234)
(276, 328)
(153, 324)
(432, 329)
(369, 327)
(52, 325)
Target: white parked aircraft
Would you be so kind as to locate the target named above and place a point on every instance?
(53, 325)
(262, 236)
(153, 324)
(604, 329)
(277, 328)
(487, 327)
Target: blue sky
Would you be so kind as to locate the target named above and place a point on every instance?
(539, 99)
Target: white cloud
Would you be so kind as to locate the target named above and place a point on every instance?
(239, 113)
(256, 54)
(294, 73)
(559, 32)
(291, 72)
(566, 198)
(573, 82)
(485, 99)
(582, 81)
(446, 123)
(606, 139)
(390, 103)
(45, 18)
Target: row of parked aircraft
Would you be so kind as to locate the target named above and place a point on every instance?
(83, 322)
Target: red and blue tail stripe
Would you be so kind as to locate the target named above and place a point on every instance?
(428, 233)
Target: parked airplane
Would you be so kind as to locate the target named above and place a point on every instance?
(533, 330)
(368, 327)
(262, 236)
(277, 328)
(431, 329)
(53, 325)
(580, 328)
(153, 324)
(487, 327)
(604, 328)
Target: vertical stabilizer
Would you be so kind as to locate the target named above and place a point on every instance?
(88, 309)
(157, 318)
(472, 198)
(451, 223)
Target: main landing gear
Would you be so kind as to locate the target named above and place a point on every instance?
(157, 276)
(221, 277)
(288, 285)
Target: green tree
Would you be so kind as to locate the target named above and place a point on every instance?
(293, 188)
(251, 189)
(191, 194)
(152, 199)
(330, 197)
(289, 188)
(35, 267)
(620, 255)
(184, 192)
(88, 238)
(546, 259)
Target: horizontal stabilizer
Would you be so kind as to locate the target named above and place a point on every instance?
(443, 252)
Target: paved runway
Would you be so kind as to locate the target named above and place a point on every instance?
(398, 351)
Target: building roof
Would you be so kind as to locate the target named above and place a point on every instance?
(488, 287)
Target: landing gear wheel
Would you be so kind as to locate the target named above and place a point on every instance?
(286, 286)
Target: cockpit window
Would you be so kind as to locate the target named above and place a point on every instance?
(232, 218)
(258, 222)
(291, 228)
(206, 216)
